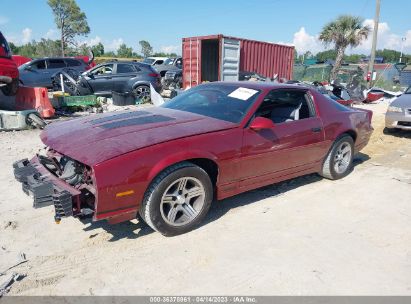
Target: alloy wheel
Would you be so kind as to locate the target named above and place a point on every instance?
(182, 201)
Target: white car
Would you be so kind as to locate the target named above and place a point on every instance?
(154, 60)
(398, 115)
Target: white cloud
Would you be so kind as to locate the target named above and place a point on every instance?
(304, 42)
(386, 39)
(92, 41)
(4, 20)
(171, 48)
(52, 34)
(26, 33)
(114, 44)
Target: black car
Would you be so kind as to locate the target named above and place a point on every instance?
(38, 72)
(170, 64)
(117, 76)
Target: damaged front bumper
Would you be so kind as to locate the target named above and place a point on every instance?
(47, 189)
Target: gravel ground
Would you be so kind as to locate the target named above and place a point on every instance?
(307, 236)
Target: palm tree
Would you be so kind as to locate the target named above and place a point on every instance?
(344, 31)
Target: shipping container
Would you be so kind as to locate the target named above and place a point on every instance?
(221, 58)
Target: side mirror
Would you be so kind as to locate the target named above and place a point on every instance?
(260, 123)
(28, 68)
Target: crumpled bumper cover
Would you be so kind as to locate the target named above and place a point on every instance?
(45, 188)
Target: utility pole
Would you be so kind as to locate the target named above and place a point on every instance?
(374, 42)
(402, 46)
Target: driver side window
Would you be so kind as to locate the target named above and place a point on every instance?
(103, 70)
(38, 65)
(286, 106)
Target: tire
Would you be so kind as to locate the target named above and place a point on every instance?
(12, 88)
(171, 212)
(338, 162)
(36, 121)
(141, 92)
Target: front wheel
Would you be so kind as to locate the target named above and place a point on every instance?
(178, 199)
(339, 159)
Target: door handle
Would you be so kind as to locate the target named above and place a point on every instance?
(316, 129)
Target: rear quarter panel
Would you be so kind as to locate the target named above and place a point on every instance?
(349, 120)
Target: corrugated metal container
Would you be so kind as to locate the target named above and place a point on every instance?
(219, 57)
(405, 78)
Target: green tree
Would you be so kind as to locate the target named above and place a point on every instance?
(124, 51)
(345, 31)
(28, 49)
(110, 54)
(98, 49)
(47, 48)
(14, 48)
(70, 20)
(388, 55)
(146, 48)
(325, 55)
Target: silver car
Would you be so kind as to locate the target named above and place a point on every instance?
(398, 114)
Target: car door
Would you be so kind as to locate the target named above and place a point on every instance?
(123, 73)
(295, 143)
(100, 78)
(34, 73)
(54, 65)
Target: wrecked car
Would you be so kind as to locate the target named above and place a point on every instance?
(102, 80)
(170, 64)
(9, 74)
(168, 163)
(173, 79)
(38, 72)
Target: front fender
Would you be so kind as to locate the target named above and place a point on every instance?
(177, 158)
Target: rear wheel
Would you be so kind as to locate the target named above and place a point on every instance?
(339, 159)
(178, 199)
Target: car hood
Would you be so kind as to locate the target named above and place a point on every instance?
(404, 101)
(95, 139)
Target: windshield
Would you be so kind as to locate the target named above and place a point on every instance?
(148, 60)
(220, 101)
(408, 91)
(168, 61)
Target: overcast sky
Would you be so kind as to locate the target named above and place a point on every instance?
(163, 23)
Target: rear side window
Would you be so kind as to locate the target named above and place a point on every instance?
(72, 62)
(56, 63)
(4, 47)
(38, 65)
(125, 68)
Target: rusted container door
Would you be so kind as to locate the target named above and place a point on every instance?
(191, 62)
(230, 59)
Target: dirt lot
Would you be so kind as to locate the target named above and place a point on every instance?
(306, 236)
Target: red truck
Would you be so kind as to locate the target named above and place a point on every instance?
(9, 74)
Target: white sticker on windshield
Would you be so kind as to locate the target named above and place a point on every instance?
(242, 93)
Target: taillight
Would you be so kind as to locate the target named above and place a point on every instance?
(154, 75)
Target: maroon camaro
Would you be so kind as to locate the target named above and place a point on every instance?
(169, 163)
